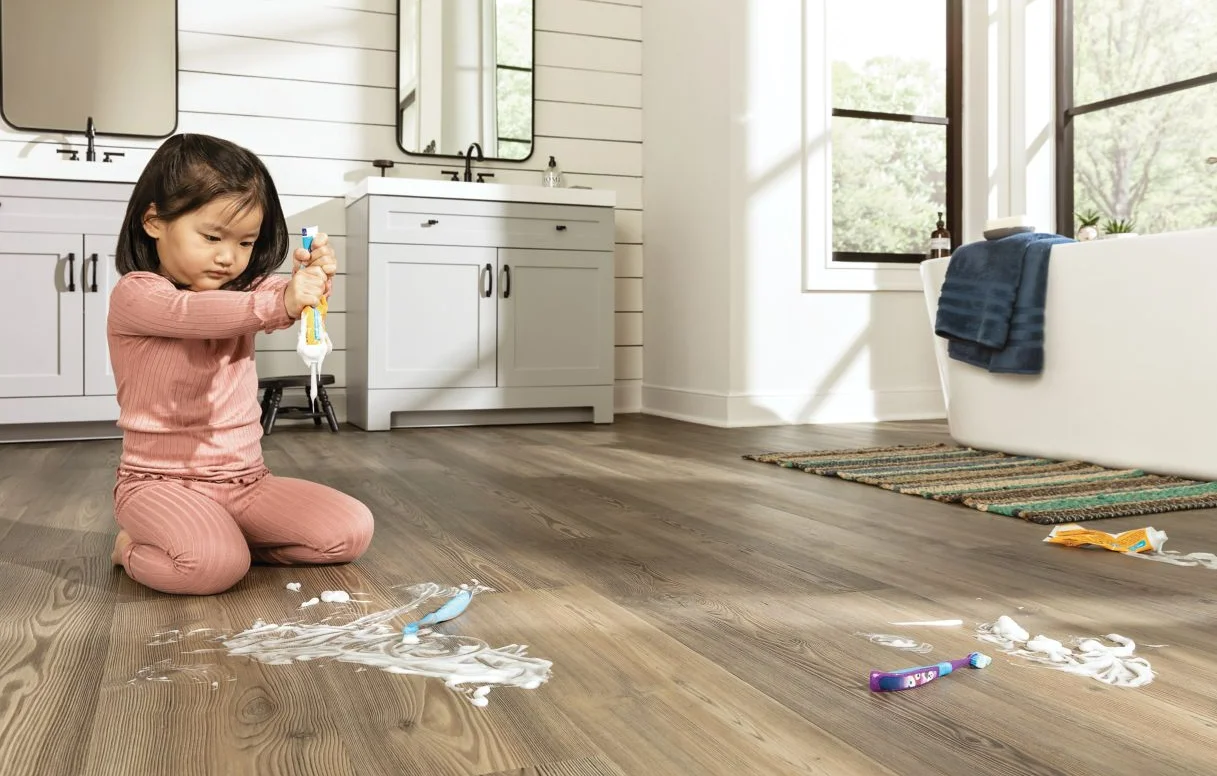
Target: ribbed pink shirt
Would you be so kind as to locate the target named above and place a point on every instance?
(187, 384)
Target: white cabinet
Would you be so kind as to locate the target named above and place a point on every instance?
(468, 311)
(555, 314)
(57, 246)
(43, 343)
(439, 328)
(101, 276)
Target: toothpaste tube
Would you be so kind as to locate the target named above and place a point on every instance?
(313, 343)
(1136, 540)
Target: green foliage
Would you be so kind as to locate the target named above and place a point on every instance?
(1146, 159)
(513, 20)
(1120, 226)
(1088, 218)
(888, 178)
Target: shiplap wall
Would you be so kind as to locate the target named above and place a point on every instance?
(309, 85)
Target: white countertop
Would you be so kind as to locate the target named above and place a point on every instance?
(495, 192)
(117, 171)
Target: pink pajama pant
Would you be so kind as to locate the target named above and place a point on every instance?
(197, 538)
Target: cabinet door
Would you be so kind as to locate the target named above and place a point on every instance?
(555, 318)
(100, 275)
(41, 347)
(431, 317)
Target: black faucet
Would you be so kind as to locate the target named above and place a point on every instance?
(90, 133)
(469, 160)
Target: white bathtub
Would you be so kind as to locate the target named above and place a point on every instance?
(1130, 360)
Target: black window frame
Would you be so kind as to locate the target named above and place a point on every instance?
(953, 121)
(1066, 112)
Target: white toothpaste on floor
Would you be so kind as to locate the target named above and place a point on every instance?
(336, 596)
(293, 586)
(897, 642)
(1116, 665)
(466, 665)
(310, 602)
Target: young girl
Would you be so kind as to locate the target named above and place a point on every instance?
(203, 234)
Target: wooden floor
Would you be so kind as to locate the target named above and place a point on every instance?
(702, 613)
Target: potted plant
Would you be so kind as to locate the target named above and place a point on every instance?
(1088, 222)
(1122, 227)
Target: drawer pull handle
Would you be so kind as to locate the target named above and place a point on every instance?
(561, 227)
(93, 286)
(71, 272)
(430, 222)
(489, 281)
(506, 280)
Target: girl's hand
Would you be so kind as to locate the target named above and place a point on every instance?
(321, 255)
(305, 289)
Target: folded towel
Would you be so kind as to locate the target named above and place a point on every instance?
(992, 304)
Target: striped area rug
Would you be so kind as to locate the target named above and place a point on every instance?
(1039, 490)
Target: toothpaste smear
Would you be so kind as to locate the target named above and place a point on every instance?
(1206, 559)
(1115, 662)
(897, 642)
(466, 665)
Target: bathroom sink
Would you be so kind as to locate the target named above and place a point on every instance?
(118, 171)
(494, 192)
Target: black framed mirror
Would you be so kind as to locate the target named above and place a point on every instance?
(465, 74)
(63, 62)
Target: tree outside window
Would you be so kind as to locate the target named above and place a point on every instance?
(896, 139)
(514, 76)
(1137, 104)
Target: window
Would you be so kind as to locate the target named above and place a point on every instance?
(1136, 106)
(513, 77)
(897, 106)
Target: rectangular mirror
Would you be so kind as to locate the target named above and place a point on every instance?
(465, 75)
(62, 61)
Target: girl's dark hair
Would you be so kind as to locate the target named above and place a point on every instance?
(189, 171)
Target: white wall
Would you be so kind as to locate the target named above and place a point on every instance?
(309, 85)
(749, 323)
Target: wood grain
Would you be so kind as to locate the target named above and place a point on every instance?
(54, 625)
(704, 614)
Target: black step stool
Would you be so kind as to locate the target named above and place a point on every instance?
(272, 395)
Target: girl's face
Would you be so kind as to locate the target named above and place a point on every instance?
(206, 248)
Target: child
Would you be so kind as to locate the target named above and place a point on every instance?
(203, 234)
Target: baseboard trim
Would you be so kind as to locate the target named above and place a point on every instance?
(748, 410)
(707, 408)
(627, 396)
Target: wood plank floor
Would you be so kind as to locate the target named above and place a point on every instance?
(702, 613)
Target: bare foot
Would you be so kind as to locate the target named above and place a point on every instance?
(120, 545)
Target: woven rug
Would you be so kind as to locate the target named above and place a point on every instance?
(1039, 490)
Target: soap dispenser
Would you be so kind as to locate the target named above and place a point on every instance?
(552, 177)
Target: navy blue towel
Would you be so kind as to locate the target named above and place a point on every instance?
(992, 304)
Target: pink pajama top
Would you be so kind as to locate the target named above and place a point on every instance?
(187, 383)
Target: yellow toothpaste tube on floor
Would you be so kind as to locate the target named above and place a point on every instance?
(1136, 540)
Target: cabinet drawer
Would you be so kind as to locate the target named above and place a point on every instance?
(79, 216)
(489, 224)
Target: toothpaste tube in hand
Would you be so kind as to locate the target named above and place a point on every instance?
(313, 342)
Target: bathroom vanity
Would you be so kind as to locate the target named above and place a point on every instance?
(57, 245)
(473, 303)
(466, 302)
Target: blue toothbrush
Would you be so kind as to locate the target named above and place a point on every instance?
(454, 606)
